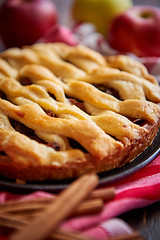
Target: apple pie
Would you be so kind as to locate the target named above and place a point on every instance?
(66, 111)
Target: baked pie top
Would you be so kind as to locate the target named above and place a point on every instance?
(65, 111)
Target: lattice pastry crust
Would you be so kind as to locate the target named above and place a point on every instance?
(66, 111)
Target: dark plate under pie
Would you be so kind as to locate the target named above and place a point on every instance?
(106, 178)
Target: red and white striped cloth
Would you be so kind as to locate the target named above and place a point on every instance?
(135, 191)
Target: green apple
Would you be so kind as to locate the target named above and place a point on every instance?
(99, 12)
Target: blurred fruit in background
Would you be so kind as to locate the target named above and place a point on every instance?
(137, 30)
(22, 22)
(59, 33)
(98, 12)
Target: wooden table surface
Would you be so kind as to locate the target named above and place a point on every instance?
(145, 220)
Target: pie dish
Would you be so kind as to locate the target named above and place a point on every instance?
(66, 111)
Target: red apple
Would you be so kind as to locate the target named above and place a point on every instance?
(137, 30)
(59, 33)
(22, 22)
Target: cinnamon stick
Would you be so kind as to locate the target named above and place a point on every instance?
(39, 203)
(104, 193)
(67, 235)
(90, 206)
(10, 221)
(18, 205)
(133, 236)
(58, 234)
(57, 211)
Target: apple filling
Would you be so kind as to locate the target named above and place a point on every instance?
(21, 128)
(25, 81)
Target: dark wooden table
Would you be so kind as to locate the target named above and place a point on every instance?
(145, 220)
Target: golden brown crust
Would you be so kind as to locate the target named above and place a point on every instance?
(130, 65)
(45, 135)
